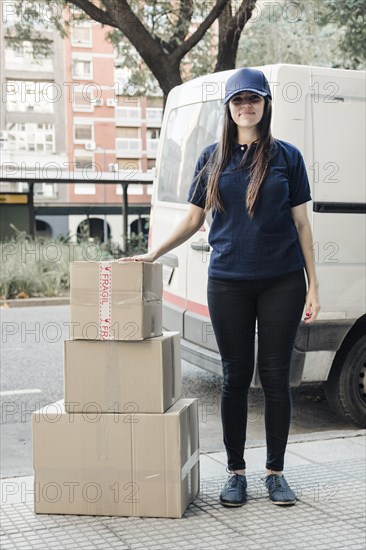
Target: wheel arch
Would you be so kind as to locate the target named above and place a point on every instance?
(357, 330)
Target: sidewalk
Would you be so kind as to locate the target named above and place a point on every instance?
(327, 475)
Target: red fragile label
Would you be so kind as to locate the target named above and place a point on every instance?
(105, 301)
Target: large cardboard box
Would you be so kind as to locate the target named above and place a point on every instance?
(116, 300)
(116, 464)
(117, 376)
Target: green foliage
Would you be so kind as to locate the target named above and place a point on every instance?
(201, 59)
(304, 33)
(136, 245)
(34, 19)
(351, 15)
(39, 267)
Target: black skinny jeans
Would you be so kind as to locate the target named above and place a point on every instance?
(277, 303)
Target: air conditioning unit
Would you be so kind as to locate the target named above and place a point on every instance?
(112, 102)
(3, 135)
(113, 167)
(90, 145)
(30, 107)
(98, 102)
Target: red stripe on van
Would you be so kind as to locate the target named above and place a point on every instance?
(195, 307)
(176, 300)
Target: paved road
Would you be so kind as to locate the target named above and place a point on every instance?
(32, 362)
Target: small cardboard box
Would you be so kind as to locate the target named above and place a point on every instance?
(116, 300)
(144, 465)
(117, 376)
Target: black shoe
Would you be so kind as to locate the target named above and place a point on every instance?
(234, 492)
(279, 490)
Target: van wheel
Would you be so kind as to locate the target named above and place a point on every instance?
(345, 388)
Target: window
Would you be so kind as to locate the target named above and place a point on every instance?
(30, 136)
(81, 34)
(84, 188)
(152, 141)
(128, 147)
(128, 164)
(23, 58)
(190, 128)
(82, 68)
(26, 96)
(83, 100)
(128, 132)
(153, 134)
(45, 190)
(83, 133)
(154, 116)
(83, 161)
(128, 115)
(132, 189)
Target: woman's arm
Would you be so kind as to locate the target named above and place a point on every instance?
(300, 217)
(183, 231)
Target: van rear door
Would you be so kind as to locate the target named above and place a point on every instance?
(175, 167)
(197, 325)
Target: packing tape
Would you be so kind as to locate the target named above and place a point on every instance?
(174, 366)
(105, 301)
(187, 467)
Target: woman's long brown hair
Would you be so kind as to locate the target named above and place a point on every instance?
(222, 153)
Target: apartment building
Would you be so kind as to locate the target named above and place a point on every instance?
(91, 129)
(138, 124)
(74, 110)
(33, 125)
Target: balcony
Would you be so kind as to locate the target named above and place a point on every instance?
(152, 147)
(15, 63)
(128, 148)
(154, 117)
(128, 116)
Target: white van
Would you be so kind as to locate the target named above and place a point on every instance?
(322, 112)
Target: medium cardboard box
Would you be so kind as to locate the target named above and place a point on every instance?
(117, 376)
(116, 300)
(143, 465)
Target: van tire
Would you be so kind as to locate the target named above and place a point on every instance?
(345, 388)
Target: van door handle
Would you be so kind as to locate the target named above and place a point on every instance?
(202, 247)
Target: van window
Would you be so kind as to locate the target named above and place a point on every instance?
(189, 129)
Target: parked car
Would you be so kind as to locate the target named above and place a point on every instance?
(322, 112)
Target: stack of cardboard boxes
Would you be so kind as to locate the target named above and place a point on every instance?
(122, 442)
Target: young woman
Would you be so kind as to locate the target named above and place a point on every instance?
(261, 240)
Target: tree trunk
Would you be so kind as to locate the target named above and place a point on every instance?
(230, 29)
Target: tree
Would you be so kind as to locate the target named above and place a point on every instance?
(328, 34)
(350, 16)
(162, 33)
(230, 28)
(290, 33)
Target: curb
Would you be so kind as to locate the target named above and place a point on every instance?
(306, 438)
(33, 302)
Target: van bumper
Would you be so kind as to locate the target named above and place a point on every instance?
(322, 336)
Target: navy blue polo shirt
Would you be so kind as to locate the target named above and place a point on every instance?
(268, 244)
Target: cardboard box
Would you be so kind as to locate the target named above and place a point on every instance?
(116, 300)
(143, 465)
(123, 377)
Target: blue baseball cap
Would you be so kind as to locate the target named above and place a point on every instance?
(247, 80)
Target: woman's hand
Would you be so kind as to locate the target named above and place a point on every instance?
(312, 305)
(148, 257)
